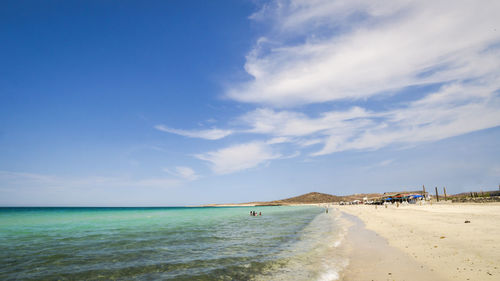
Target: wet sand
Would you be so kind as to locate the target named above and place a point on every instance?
(372, 258)
(425, 242)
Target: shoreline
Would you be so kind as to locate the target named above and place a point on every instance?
(431, 240)
(372, 258)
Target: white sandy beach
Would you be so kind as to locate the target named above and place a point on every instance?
(434, 238)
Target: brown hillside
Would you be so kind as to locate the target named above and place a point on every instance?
(312, 197)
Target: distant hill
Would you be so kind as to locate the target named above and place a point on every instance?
(317, 197)
(312, 197)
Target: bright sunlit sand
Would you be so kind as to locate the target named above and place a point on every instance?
(436, 237)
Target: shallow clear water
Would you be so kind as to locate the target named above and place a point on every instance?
(286, 243)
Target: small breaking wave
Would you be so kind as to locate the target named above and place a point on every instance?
(315, 256)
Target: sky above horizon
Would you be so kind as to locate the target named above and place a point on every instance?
(167, 103)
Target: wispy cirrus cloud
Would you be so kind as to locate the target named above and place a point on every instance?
(357, 49)
(296, 124)
(239, 157)
(351, 51)
(443, 114)
(452, 110)
(183, 172)
(210, 134)
(344, 55)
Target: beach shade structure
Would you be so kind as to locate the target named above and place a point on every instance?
(417, 196)
(388, 199)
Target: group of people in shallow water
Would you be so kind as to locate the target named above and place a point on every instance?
(254, 213)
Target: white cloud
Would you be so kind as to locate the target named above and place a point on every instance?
(354, 50)
(385, 162)
(392, 45)
(346, 55)
(452, 110)
(211, 134)
(289, 123)
(278, 140)
(183, 172)
(239, 157)
(446, 113)
(309, 142)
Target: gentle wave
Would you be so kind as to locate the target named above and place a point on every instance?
(313, 256)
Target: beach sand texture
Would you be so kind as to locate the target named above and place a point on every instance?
(437, 238)
(371, 258)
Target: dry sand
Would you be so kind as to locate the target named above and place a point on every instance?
(371, 258)
(429, 242)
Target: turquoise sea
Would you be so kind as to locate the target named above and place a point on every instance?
(174, 243)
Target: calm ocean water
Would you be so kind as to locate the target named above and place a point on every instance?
(286, 243)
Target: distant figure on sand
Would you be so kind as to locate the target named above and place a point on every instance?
(260, 213)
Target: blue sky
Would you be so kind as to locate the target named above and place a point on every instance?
(128, 103)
